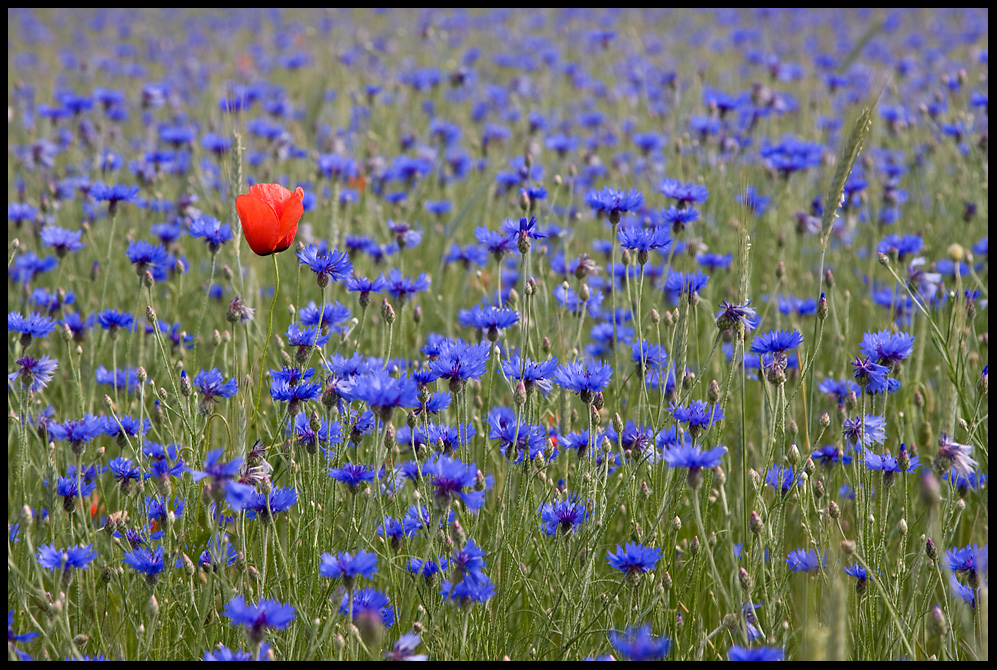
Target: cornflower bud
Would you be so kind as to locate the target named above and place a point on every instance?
(745, 580)
(755, 523)
(388, 312)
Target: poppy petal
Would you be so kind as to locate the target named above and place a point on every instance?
(259, 223)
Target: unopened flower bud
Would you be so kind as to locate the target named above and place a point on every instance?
(713, 393)
(833, 510)
(902, 527)
(930, 551)
(847, 548)
(824, 420)
(388, 312)
(755, 523)
(150, 315)
(822, 307)
(519, 396)
(793, 455)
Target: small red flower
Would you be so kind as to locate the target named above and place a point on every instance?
(270, 215)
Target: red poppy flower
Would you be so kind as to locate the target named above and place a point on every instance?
(270, 215)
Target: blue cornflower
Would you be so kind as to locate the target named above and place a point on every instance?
(688, 284)
(474, 588)
(838, 389)
(584, 379)
(459, 362)
(489, 319)
(28, 265)
(890, 464)
(698, 415)
(13, 637)
(35, 325)
(448, 478)
(77, 326)
(78, 432)
(736, 653)
(562, 516)
(148, 257)
(642, 240)
(147, 561)
(495, 242)
(112, 320)
(268, 613)
(686, 194)
(776, 341)
(428, 568)
(902, 245)
(352, 474)
(223, 653)
(112, 195)
(369, 605)
(969, 482)
(304, 338)
(858, 572)
(324, 316)
(291, 385)
(438, 207)
(790, 304)
(781, 479)
(348, 566)
(327, 265)
(219, 553)
(64, 560)
(966, 594)
(405, 288)
(520, 439)
(265, 506)
(638, 644)
(732, 317)
(634, 561)
(954, 454)
(871, 430)
(158, 509)
(534, 374)
(715, 261)
(34, 373)
(404, 648)
(311, 439)
(18, 212)
(804, 560)
(688, 456)
(62, 240)
(886, 347)
(124, 472)
(212, 385)
(365, 287)
(212, 231)
(470, 255)
(221, 473)
(522, 232)
(613, 203)
(871, 376)
(383, 393)
(678, 218)
(830, 454)
(971, 558)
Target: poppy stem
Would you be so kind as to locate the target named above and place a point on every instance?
(266, 345)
